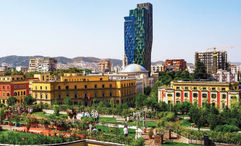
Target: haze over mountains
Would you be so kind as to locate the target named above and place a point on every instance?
(64, 62)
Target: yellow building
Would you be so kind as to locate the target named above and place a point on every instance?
(219, 94)
(82, 89)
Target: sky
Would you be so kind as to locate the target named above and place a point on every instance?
(95, 28)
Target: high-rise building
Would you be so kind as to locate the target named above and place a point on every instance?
(105, 65)
(45, 64)
(138, 35)
(213, 60)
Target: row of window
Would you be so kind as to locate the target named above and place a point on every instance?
(4, 87)
(19, 93)
(204, 95)
(8, 79)
(195, 88)
(45, 96)
(203, 103)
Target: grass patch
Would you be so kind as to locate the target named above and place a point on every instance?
(110, 130)
(170, 143)
(107, 120)
(185, 122)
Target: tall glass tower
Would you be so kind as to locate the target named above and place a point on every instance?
(138, 36)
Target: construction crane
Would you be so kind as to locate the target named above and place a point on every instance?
(215, 48)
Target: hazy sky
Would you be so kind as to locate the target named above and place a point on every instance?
(95, 27)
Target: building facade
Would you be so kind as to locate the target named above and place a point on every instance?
(213, 60)
(226, 76)
(175, 65)
(157, 68)
(45, 64)
(105, 66)
(218, 94)
(14, 85)
(83, 89)
(138, 36)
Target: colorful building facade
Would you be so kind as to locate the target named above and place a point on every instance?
(83, 89)
(138, 35)
(175, 65)
(218, 94)
(15, 86)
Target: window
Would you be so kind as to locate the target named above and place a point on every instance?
(36, 95)
(101, 79)
(36, 88)
(213, 104)
(59, 96)
(186, 88)
(204, 95)
(213, 89)
(103, 86)
(194, 88)
(223, 89)
(233, 97)
(59, 87)
(103, 94)
(178, 88)
(213, 95)
(40, 87)
(185, 94)
(86, 95)
(110, 94)
(195, 95)
(96, 95)
(95, 86)
(46, 88)
(67, 95)
(178, 102)
(8, 94)
(75, 96)
(169, 95)
(224, 96)
(85, 86)
(178, 94)
(46, 96)
(15, 94)
(41, 96)
(67, 87)
(110, 85)
(204, 88)
(24, 93)
(75, 86)
(223, 105)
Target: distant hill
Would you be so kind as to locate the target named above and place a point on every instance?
(236, 63)
(14, 60)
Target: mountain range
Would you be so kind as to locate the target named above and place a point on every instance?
(64, 62)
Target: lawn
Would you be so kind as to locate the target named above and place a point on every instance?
(109, 130)
(185, 122)
(170, 143)
(41, 114)
(113, 120)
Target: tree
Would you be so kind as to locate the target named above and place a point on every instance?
(140, 100)
(200, 71)
(67, 100)
(28, 100)
(12, 101)
(147, 90)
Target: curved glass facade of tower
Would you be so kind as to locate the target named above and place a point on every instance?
(138, 36)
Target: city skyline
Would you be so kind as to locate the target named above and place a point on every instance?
(180, 28)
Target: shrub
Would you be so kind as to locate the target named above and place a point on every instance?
(226, 128)
(138, 142)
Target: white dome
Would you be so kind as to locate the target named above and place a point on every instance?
(134, 68)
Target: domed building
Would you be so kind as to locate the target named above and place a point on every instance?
(140, 74)
(134, 68)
